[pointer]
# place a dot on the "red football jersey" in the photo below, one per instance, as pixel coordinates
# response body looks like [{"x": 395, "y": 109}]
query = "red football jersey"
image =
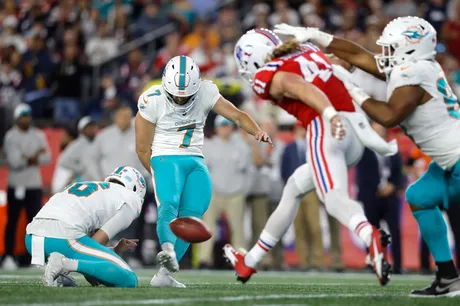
[{"x": 310, "y": 63}]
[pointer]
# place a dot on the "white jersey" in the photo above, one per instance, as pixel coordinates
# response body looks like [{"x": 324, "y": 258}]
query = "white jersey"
[
  {"x": 434, "y": 126},
  {"x": 82, "y": 208},
  {"x": 178, "y": 128}
]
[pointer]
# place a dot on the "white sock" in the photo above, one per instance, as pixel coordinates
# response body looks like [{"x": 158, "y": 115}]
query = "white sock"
[
  {"x": 362, "y": 228},
  {"x": 265, "y": 243},
  {"x": 167, "y": 246},
  {"x": 70, "y": 264}
]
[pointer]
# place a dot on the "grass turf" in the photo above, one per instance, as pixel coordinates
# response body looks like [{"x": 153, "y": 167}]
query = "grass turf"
[{"x": 23, "y": 287}]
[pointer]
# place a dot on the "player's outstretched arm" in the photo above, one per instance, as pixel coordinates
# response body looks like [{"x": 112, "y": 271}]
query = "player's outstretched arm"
[
  {"x": 342, "y": 48},
  {"x": 402, "y": 102},
  {"x": 226, "y": 109},
  {"x": 293, "y": 86},
  {"x": 145, "y": 131}
]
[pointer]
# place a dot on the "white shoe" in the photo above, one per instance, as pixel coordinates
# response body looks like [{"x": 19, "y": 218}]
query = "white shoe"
[
  {"x": 164, "y": 279},
  {"x": 53, "y": 269},
  {"x": 168, "y": 260},
  {"x": 9, "y": 263}
]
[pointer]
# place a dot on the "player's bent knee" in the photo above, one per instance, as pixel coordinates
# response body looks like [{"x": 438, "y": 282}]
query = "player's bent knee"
[{"x": 129, "y": 281}]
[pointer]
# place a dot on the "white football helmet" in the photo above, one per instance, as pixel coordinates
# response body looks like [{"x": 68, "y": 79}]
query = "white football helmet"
[
  {"x": 405, "y": 39},
  {"x": 181, "y": 79},
  {"x": 252, "y": 49},
  {"x": 130, "y": 178}
]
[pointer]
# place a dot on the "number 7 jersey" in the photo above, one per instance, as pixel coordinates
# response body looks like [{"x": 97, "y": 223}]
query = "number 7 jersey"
[
  {"x": 315, "y": 68},
  {"x": 178, "y": 128}
]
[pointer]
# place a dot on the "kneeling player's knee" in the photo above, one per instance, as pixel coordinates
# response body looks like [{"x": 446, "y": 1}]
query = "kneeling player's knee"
[{"x": 130, "y": 280}]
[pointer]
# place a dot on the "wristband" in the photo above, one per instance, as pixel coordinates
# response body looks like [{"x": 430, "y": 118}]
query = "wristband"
[
  {"x": 323, "y": 39},
  {"x": 329, "y": 112}
]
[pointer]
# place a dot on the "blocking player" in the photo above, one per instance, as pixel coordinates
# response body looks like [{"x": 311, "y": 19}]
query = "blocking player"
[
  {"x": 299, "y": 79},
  {"x": 60, "y": 231},
  {"x": 169, "y": 139},
  {"x": 421, "y": 101}
]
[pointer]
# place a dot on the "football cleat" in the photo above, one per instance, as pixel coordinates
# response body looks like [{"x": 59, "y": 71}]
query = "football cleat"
[
  {"x": 53, "y": 269},
  {"x": 168, "y": 260},
  {"x": 236, "y": 258},
  {"x": 65, "y": 280},
  {"x": 378, "y": 254},
  {"x": 164, "y": 279},
  {"x": 441, "y": 287}
]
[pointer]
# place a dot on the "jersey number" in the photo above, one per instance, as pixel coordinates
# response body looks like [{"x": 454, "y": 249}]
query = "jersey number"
[
  {"x": 85, "y": 189},
  {"x": 188, "y": 135},
  {"x": 449, "y": 98},
  {"x": 310, "y": 68},
  {"x": 156, "y": 93}
]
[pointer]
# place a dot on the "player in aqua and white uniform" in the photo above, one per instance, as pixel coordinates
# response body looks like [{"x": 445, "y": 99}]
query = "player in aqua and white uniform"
[
  {"x": 169, "y": 139},
  {"x": 422, "y": 103},
  {"x": 60, "y": 232}
]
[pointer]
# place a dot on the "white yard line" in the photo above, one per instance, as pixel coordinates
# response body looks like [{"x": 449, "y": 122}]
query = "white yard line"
[{"x": 216, "y": 299}]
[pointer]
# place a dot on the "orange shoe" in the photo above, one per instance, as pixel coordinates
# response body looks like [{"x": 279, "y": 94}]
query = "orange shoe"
[
  {"x": 236, "y": 258},
  {"x": 378, "y": 254}
]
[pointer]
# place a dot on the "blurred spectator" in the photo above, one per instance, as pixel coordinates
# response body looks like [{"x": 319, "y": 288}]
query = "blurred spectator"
[
  {"x": 435, "y": 12},
  {"x": 66, "y": 81},
  {"x": 170, "y": 50},
  {"x": 37, "y": 67},
  {"x": 70, "y": 166},
  {"x": 203, "y": 34},
  {"x": 101, "y": 47},
  {"x": 69, "y": 135},
  {"x": 32, "y": 11},
  {"x": 380, "y": 194},
  {"x": 9, "y": 35},
  {"x": 258, "y": 17},
  {"x": 307, "y": 227},
  {"x": 150, "y": 20},
  {"x": 229, "y": 162},
  {"x": 284, "y": 14},
  {"x": 10, "y": 97},
  {"x": 119, "y": 25},
  {"x": 400, "y": 8},
  {"x": 451, "y": 31},
  {"x": 26, "y": 148},
  {"x": 113, "y": 146},
  {"x": 61, "y": 18},
  {"x": 89, "y": 23},
  {"x": 131, "y": 74}
]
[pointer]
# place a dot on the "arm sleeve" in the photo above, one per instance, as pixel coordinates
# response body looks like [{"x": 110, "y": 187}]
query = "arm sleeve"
[
  {"x": 120, "y": 221},
  {"x": 13, "y": 154},
  {"x": 147, "y": 108},
  {"x": 211, "y": 91},
  {"x": 45, "y": 158},
  {"x": 61, "y": 178}
]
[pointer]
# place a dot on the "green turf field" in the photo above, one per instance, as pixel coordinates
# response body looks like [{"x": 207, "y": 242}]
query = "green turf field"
[{"x": 23, "y": 287}]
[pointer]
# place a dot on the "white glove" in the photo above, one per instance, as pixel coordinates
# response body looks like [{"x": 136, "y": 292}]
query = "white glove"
[
  {"x": 357, "y": 93},
  {"x": 341, "y": 73},
  {"x": 305, "y": 34}
]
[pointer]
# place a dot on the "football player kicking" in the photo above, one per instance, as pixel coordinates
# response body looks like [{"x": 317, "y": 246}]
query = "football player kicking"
[
  {"x": 169, "y": 139},
  {"x": 299, "y": 79},
  {"x": 59, "y": 232},
  {"x": 421, "y": 101}
]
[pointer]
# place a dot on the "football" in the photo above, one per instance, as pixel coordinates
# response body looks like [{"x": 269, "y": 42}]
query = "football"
[{"x": 190, "y": 229}]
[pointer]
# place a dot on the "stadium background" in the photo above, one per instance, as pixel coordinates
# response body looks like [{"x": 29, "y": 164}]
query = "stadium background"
[{"x": 138, "y": 37}]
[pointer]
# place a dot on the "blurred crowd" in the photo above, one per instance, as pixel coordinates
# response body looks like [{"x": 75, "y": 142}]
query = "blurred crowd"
[{"x": 63, "y": 59}]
